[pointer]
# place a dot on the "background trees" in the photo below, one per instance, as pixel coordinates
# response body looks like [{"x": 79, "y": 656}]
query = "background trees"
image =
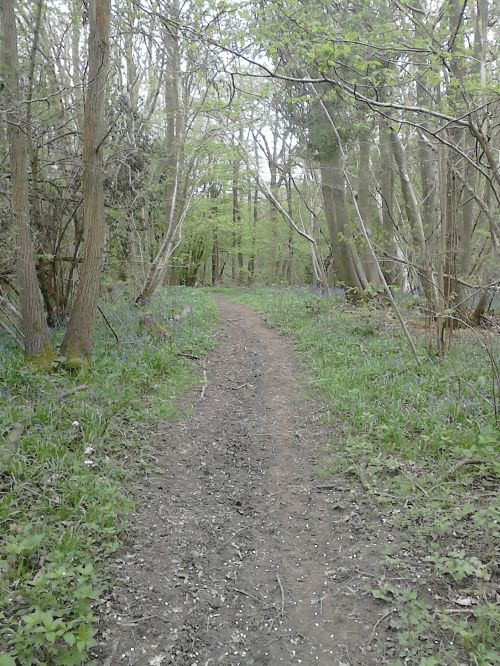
[{"x": 275, "y": 159}]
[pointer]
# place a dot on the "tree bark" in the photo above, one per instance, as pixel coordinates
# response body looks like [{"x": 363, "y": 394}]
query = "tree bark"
[
  {"x": 237, "y": 259},
  {"x": 428, "y": 279},
  {"x": 391, "y": 271},
  {"x": 364, "y": 206},
  {"x": 347, "y": 264},
  {"x": 174, "y": 161},
  {"x": 37, "y": 346},
  {"x": 77, "y": 343}
]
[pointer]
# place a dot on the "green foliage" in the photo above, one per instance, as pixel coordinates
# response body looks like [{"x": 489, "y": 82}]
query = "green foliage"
[
  {"x": 63, "y": 503},
  {"x": 458, "y": 566},
  {"x": 410, "y": 427}
]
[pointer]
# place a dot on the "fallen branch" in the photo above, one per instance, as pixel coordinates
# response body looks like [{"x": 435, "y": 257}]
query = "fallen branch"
[
  {"x": 247, "y": 594},
  {"x": 461, "y": 463},
  {"x": 238, "y": 531},
  {"x": 192, "y": 357},
  {"x": 381, "y": 619},
  {"x": 282, "y": 595},
  {"x": 281, "y": 612},
  {"x": 108, "y": 324},
  {"x": 76, "y": 389}
]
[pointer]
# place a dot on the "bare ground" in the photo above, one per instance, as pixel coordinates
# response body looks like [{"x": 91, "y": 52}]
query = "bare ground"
[{"x": 237, "y": 553}]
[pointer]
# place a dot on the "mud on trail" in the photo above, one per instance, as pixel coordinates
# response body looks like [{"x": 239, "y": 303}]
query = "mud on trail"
[{"x": 236, "y": 553}]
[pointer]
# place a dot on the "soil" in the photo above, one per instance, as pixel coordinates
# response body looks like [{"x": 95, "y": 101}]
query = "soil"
[{"x": 237, "y": 552}]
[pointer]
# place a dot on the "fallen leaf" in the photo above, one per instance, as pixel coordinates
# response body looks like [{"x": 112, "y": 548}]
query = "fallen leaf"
[
  {"x": 158, "y": 660},
  {"x": 465, "y": 601}
]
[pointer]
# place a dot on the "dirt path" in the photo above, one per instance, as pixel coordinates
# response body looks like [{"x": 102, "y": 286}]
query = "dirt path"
[{"x": 237, "y": 554}]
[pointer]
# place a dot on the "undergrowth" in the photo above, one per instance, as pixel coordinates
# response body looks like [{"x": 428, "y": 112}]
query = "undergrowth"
[
  {"x": 68, "y": 443},
  {"x": 422, "y": 443}
]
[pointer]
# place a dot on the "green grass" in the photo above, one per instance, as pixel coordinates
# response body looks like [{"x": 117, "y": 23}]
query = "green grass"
[
  {"x": 407, "y": 427},
  {"x": 62, "y": 469}
]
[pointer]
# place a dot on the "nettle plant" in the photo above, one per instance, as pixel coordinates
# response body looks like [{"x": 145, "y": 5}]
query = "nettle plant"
[{"x": 459, "y": 567}]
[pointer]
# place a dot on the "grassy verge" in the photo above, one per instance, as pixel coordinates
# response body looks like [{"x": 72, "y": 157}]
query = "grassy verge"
[
  {"x": 422, "y": 444},
  {"x": 67, "y": 444}
]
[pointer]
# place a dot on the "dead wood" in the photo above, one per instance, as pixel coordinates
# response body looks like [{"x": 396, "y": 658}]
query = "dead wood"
[
  {"x": 72, "y": 391},
  {"x": 461, "y": 463}
]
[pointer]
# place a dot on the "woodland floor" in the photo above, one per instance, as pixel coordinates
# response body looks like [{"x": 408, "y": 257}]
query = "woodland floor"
[{"x": 237, "y": 553}]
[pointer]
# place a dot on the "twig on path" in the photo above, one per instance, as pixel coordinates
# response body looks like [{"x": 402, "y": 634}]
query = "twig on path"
[
  {"x": 232, "y": 537},
  {"x": 320, "y": 602},
  {"x": 247, "y": 594},
  {"x": 281, "y": 612},
  {"x": 381, "y": 619},
  {"x": 145, "y": 618},
  {"x": 209, "y": 617},
  {"x": 347, "y": 653},
  {"x": 276, "y": 638},
  {"x": 282, "y": 595}
]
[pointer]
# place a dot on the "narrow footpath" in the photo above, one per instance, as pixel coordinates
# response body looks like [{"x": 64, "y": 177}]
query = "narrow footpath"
[{"x": 237, "y": 553}]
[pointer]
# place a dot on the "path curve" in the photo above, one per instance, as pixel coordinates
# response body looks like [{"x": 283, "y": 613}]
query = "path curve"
[{"x": 237, "y": 554}]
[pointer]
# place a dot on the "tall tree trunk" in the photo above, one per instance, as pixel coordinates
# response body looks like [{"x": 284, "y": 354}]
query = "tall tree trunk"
[
  {"x": 428, "y": 278},
  {"x": 174, "y": 162},
  {"x": 213, "y": 193},
  {"x": 273, "y": 225},
  {"x": 253, "y": 201},
  {"x": 77, "y": 343},
  {"x": 288, "y": 264},
  {"x": 364, "y": 206},
  {"x": 391, "y": 271},
  {"x": 237, "y": 259},
  {"x": 253, "y": 205},
  {"x": 37, "y": 346},
  {"x": 347, "y": 264}
]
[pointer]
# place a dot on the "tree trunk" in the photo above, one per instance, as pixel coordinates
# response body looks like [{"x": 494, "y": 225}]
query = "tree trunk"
[
  {"x": 364, "y": 206},
  {"x": 392, "y": 273},
  {"x": 237, "y": 259},
  {"x": 37, "y": 346},
  {"x": 174, "y": 162},
  {"x": 77, "y": 343},
  {"x": 428, "y": 277},
  {"x": 273, "y": 226},
  {"x": 288, "y": 264},
  {"x": 253, "y": 206},
  {"x": 347, "y": 265}
]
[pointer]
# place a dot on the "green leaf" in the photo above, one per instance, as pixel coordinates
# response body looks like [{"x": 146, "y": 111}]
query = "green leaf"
[
  {"x": 70, "y": 638},
  {"x": 5, "y": 660}
]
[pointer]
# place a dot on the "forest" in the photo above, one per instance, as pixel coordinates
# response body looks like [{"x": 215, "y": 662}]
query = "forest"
[{"x": 256, "y": 242}]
